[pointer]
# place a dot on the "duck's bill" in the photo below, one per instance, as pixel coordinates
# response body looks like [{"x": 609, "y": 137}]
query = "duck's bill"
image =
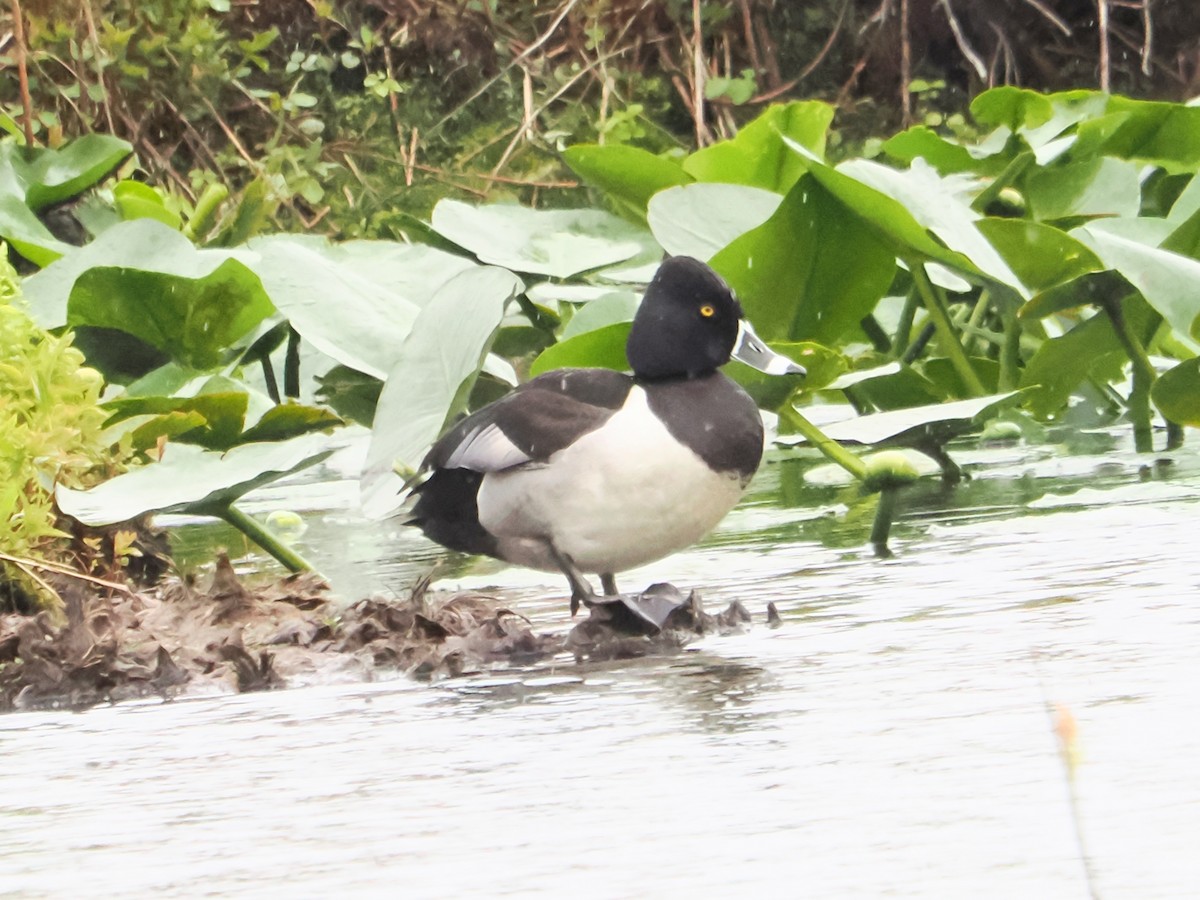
[{"x": 753, "y": 351}]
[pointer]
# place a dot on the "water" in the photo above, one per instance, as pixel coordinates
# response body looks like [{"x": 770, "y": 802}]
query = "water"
[{"x": 893, "y": 739}]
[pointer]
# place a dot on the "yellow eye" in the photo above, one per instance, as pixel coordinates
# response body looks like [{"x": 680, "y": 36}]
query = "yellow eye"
[{"x": 707, "y": 311}]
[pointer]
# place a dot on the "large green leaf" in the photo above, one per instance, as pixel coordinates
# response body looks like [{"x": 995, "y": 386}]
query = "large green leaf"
[
  {"x": 355, "y": 302},
  {"x": 1040, "y": 255},
  {"x": 940, "y": 205},
  {"x": 612, "y": 307},
  {"x": 812, "y": 271},
  {"x": 1089, "y": 187},
  {"x": 892, "y": 223},
  {"x": 431, "y": 379},
  {"x": 1089, "y": 350},
  {"x": 700, "y": 219},
  {"x": 943, "y": 154},
  {"x": 915, "y": 426},
  {"x": 193, "y": 319},
  {"x": 758, "y": 155},
  {"x": 52, "y": 176},
  {"x": 628, "y": 174},
  {"x": 603, "y": 347},
  {"x": 31, "y": 180},
  {"x": 191, "y": 479},
  {"x": 1159, "y": 133},
  {"x": 557, "y": 243},
  {"x": 1167, "y": 280},
  {"x": 143, "y": 244}
]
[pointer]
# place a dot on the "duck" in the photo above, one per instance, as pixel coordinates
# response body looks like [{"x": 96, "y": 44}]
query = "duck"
[{"x": 593, "y": 471}]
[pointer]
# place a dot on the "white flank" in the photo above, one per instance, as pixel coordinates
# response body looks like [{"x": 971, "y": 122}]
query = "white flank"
[{"x": 624, "y": 495}]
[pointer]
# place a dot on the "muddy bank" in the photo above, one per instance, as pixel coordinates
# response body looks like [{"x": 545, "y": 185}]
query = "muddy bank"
[{"x": 225, "y": 635}]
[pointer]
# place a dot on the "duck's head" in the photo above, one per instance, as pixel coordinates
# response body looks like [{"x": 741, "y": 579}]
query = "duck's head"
[{"x": 690, "y": 323}]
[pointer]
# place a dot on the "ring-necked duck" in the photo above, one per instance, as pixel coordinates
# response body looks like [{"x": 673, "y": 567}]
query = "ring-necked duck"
[{"x": 591, "y": 470}]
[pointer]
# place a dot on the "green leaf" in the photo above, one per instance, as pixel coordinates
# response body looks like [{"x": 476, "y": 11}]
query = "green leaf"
[
  {"x": 1176, "y": 393},
  {"x": 944, "y": 155},
  {"x": 193, "y": 319},
  {"x": 811, "y": 272},
  {"x": 1162, "y": 134},
  {"x": 557, "y": 243},
  {"x": 628, "y": 174},
  {"x": 191, "y": 479},
  {"x": 1012, "y": 107},
  {"x": 940, "y": 205},
  {"x": 1096, "y": 288},
  {"x": 289, "y": 420},
  {"x": 918, "y": 425},
  {"x": 1041, "y": 256},
  {"x": 1167, "y": 280},
  {"x": 377, "y": 289},
  {"x": 889, "y": 219},
  {"x": 222, "y": 415},
  {"x": 143, "y": 244},
  {"x": 758, "y": 155},
  {"x": 52, "y": 176},
  {"x": 603, "y": 348},
  {"x": 1090, "y": 187},
  {"x": 135, "y": 200},
  {"x": 609, "y": 309},
  {"x": 1090, "y": 349},
  {"x": 700, "y": 219},
  {"x": 436, "y": 368}
]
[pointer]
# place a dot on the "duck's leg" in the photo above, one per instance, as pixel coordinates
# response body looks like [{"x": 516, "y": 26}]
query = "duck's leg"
[
  {"x": 581, "y": 589},
  {"x": 609, "y": 583}
]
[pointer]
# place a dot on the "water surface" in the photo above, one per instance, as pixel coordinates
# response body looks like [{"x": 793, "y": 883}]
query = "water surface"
[{"x": 892, "y": 739}]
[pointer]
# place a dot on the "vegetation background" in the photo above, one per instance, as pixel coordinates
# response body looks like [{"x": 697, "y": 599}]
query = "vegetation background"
[{"x": 362, "y": 113}]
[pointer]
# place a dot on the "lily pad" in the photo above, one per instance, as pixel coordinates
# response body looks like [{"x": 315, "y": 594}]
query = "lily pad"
[
  {"x": 811, "y": 272},
  {"x": 191, "y": 479},
  {"x": 913, "y": 427},
  {"x": 430, "y": 382},
  {"x": 700, "y": 219},
  {"x": 376, "y": 288},
  {"x": 557, "y": 243}
]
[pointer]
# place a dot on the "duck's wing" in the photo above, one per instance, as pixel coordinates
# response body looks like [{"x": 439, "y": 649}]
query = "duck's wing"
[{"x": 533, "y": 422}]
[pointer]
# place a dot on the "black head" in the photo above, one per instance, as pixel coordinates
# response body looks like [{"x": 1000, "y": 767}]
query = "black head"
[{"x": 687, "y": 324}]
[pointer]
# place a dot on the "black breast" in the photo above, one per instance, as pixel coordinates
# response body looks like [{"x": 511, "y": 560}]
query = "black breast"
[{"x": 712, "y": 416}]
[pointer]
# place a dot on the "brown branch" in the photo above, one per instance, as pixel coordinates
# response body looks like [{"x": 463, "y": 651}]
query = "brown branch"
[
  {"x": 698, "y": 75},
  {"x": 1148, "y": 32},
  {"x": 22, "y": 70},
  {"x": 748, "y": 31},
  {"x": 1102, "y": 28}
]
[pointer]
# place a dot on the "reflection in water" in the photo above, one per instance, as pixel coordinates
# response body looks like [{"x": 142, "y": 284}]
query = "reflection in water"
[{"x": 890, "y": 739}]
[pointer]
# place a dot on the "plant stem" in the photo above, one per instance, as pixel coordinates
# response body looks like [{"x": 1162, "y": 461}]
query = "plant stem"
[
  {"x": 291, "y": 365},
  {"x": 261, "y": 535},
  {"x": 832, "y": 450},
  {"x": 1143, "y": 376},
  {"x": 875, "y": 334},
  {"x": 904, "y": 326},
  {"x": 1010, "y": 352},
  {"x": 935, "y": 303},
  {"x": 885, "y": 514}
]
